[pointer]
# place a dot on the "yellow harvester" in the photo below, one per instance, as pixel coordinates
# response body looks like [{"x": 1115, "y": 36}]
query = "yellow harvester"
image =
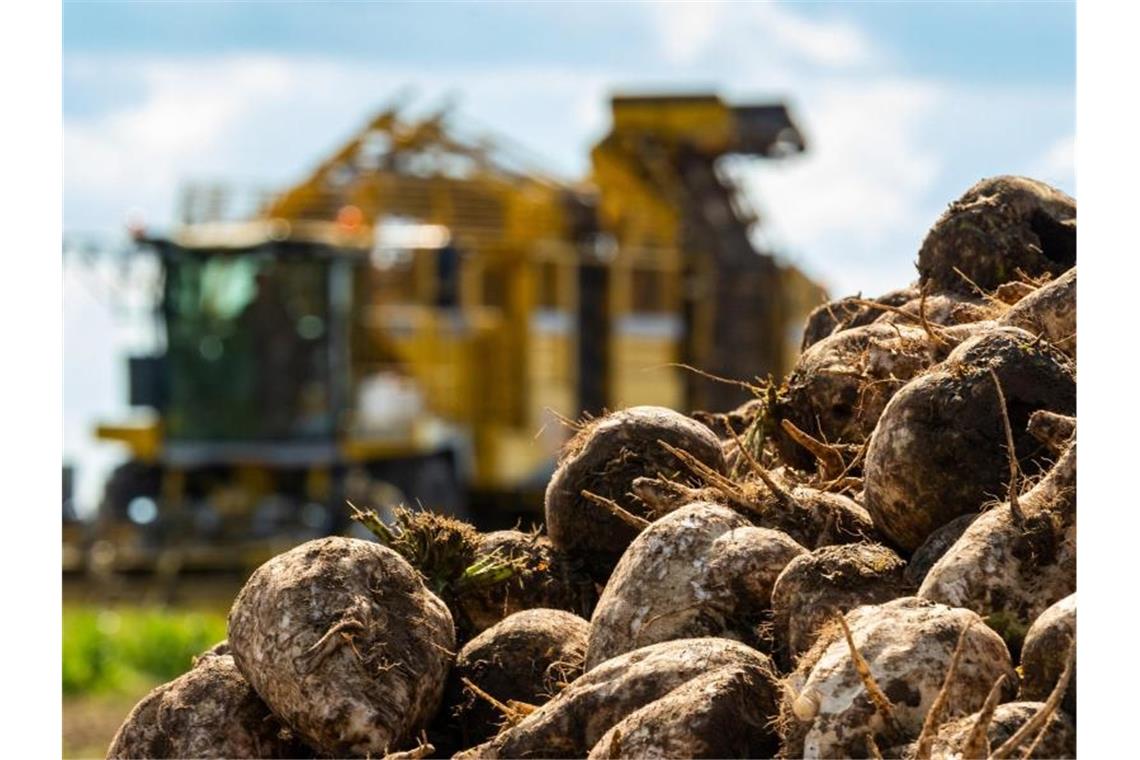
[{"x": 410, "y": 321}]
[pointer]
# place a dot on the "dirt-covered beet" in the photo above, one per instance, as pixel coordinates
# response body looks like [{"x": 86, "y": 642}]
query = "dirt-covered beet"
[
  {"x": 211, "y": 711},
  {"x": 840, "y": 385},
  {"x": 1049, "y": 311},
  {"x": 540, "y": 578},
  {"x": 954, "y": 737},
  {"x": 939, "y": 449},
  {"x": 575, "y": 720},
  {"x": 344, "y": 642},
  {"x": 603, "y": 458},
  {"x": 1010, "y": 567},
  {"x": 701, "y": 570},
  {"x": 1045, "y": 652},
  {"x": 1000, "y": 226},
  {"x": 907, "y": 645},
  {"x": 844, "y": 313},
  {"x": 525, "y": 658},
  {"x": 724, "y": 713},
  {"x": 935, "y": 545},
  {"x": 813, "y": 587}
]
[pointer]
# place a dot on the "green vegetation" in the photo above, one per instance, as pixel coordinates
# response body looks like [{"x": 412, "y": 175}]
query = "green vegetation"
[{"x": 123, "y": 648}]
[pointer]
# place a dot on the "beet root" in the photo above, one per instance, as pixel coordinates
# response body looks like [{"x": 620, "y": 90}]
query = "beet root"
[
  {"x": 724, "y": 713},
  {"x": 524, "y": 658},
  {"x": 702, "y": 570},
  {"x": 1050, "y": 311},
  {"x": 1044, "y": 654},
  {"x": 1054, "y": 431},
  {"x": 210, "y": 711},
  {"x": 575, "y": 720},
  {"x": 813, "y": 587},
  {"x": 1010, "y": 566},
  {"x": 218, "y": 650},
  {"x": 603, "y": 459},
  {"x": 999, "y": 226},
  {"x": 907, "y": 645},
  {"x": 939, "y": 449},
  {"x": 344, "y": 643}
]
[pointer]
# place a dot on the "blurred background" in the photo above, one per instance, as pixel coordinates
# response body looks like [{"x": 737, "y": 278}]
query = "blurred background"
[{"x": 382, "y": 252}]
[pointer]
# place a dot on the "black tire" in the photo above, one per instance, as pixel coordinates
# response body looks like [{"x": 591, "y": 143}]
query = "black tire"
[{"x": 127, "y": 482}]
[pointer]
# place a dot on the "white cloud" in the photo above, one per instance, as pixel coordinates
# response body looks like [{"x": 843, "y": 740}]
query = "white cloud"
[
  {"x": 687, "y": 31},
  {"x": 684, "y": 30},
  {"x": 1058, "y": 164},
  {"x": 830, "y": 43},
  {"x": 140, "y": 152},
  {"x": 863, "y": 174}
]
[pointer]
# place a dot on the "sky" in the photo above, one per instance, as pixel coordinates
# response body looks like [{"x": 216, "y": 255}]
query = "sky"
[{"x": 904, "y": 106}]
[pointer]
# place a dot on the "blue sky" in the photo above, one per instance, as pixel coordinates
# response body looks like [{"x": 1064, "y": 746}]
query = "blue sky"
[{"x": 904, "y": 105}]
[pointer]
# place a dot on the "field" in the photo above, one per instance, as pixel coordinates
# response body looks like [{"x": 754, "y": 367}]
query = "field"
[{"x": 115, "y": 651}]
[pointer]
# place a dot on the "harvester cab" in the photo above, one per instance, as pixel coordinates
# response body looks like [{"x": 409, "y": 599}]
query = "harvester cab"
[{"x": 261, "y": 424}]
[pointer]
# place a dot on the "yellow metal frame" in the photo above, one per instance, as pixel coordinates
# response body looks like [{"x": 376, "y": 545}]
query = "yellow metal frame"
[{"x": 143, "y": 439}]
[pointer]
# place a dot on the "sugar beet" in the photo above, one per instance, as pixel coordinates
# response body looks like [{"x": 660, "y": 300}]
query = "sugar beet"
[
  {"x": 604, "y": 458},
  {"x": 844, "y": 313},
  {"x": 526, "y": 658},
  {"x": 999, "y": 226},
  {"x": 840, "y": 385},
  {"x": 1059, "y": 738},
  {"x": 344, "y": 643},
  {"x": 1050, "y": 311},
  {"x": 724, "y": 713},
  {"x": 575, "y": 720},
  {"x": 908, "y": 645},
  {"x": 702, "y": 570},
  {"x": 939, "y": 449},
  {"x": 813, "y": 587},
  {"x": 1011, "y": 566},
  {"x": 211, "y": 711}
]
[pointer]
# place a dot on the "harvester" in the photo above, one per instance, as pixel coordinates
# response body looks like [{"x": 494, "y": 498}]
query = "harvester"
[{"x": 414, "y": 321}]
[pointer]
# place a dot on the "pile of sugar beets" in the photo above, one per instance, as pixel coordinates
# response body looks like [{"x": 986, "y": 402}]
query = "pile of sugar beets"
[{"x": 874, "y": 557}]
